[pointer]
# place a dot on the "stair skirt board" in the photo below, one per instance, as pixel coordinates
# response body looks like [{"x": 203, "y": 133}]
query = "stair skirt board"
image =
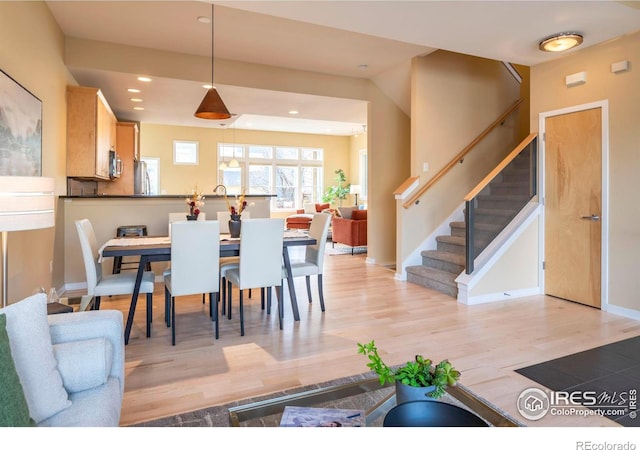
[{"x": 492, "y": 254}]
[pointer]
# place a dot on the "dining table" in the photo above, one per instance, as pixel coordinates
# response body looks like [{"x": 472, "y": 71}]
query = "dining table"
[{"x": 153, "y": 249}]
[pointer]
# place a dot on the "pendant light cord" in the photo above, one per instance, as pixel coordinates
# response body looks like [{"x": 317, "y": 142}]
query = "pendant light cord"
[{"x": 212, "y": 44}]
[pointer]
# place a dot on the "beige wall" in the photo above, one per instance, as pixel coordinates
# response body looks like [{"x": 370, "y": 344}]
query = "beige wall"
[
  {"x": 32, "y": 53},
  {"x": 454, "y": 98},
  {"x": 622, "y": 90},
  {"x": 157, "y": 141}
]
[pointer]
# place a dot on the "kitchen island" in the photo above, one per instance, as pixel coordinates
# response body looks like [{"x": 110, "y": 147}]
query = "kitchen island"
[{"x": 108, "y": 212}]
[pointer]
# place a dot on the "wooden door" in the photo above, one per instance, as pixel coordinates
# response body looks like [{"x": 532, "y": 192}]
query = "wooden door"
[{"x": 573, "y": 200}]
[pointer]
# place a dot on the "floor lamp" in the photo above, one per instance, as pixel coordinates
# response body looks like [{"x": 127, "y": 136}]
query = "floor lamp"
[
  {"x": 26, "y": 203},
  {"x": 355, "y": 189}
]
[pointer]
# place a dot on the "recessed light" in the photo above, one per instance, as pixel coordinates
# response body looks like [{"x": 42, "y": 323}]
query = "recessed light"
[
  {"x": 293, "y": 112},
  {"x": 137, "y": 100},
  {"x": 560, "y": 42},
  {"x": 145, "y": 79},
  {"x": 363, "y": 66},
  {"x": 204, "y": 19},
  {"x": 138, "y": 108},
  {"x": 134, "y": 91}
]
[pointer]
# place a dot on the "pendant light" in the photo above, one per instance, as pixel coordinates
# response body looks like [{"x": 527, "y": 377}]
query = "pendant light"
[
  {"x": 212, "y": 106},
  {"x": 223, "y": 165},
  {"x": 234, "y": 162}
]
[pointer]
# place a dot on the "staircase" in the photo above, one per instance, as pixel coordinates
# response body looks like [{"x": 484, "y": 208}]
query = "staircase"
[{"x": 440, "y": 267}]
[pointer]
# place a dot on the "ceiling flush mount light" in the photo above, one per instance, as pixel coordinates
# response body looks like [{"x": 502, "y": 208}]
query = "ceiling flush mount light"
[
  {"x": 560, "y": 42},
  {"x": 212, "y": 106}
]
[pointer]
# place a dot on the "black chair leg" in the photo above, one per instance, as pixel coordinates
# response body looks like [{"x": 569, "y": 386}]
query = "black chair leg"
[
  {"x": 308, "y": 279},
  {"x": 96, "y": 303},
  {"x": 269, "y": 301},
  {"x": 280, "y": 305},
  {"x": 223, "y": 293},
  {"x": 320, "y": 292},
  {"x": 213, "y": 305},
  {"x": 229, "y": 289},
  {"x": 241, "y": 315},
  {"x": 173, "y": 321},
  {"x": 167, "y": 307}
]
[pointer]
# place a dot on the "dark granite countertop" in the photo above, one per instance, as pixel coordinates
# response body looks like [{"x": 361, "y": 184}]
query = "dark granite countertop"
[{"x": 183, "y": 196}]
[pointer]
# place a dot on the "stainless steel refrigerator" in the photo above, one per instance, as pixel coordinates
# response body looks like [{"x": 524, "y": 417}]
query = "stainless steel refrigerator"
[{"x": 141, "y": 181}]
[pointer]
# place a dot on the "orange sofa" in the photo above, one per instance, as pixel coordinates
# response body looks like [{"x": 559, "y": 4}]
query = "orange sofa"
[
  {"x": 302, "y": 221},
  {"x": 351, "y": 232}
]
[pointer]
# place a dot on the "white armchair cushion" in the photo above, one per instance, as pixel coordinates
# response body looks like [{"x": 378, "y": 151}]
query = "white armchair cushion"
[
  {"x": 309, "y": 208},
  {"x": 33, "y": 356},
  {"x": 84, "y": 364}
]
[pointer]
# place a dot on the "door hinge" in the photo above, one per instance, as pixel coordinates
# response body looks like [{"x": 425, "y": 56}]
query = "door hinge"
[{"x": 544, "y": 265}]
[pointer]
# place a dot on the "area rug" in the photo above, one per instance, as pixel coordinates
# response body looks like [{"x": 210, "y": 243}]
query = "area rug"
[
  {"x": 341, "y": 249},
  {"x": 218, "y": 416},
  {"x": 609, "y": 373}
]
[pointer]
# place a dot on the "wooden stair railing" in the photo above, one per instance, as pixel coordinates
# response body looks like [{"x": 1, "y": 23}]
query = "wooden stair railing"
[
  {"x": 462, "y": 154},
  {"x": 504, "y": 163}
]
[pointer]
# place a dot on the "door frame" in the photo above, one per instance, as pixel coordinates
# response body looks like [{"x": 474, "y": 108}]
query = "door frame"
[{"x": 604, "y": 263}]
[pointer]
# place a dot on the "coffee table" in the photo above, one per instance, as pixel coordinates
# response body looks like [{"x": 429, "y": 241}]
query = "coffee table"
[{"x": 366, "y": 394}]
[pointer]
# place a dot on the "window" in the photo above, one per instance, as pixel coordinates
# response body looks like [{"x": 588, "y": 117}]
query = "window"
[
  {"x": 185, "y": 152},
  {"x": 294, "y": 174}
]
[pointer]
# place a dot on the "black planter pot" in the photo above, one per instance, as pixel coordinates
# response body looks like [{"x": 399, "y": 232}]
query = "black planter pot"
[
  {"x": 192, "y": 217},
  {"x": 431, "y": 414},
  {"x": 234, "y": 226}
]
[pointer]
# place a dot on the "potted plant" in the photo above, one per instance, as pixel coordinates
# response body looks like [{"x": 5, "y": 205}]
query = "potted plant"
[
  {"x": 415, "y": 380},
  {"x": 339, "y": 191}
]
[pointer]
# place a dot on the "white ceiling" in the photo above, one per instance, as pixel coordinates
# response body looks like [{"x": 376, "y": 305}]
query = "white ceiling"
[{"x": 334, "y": 37}]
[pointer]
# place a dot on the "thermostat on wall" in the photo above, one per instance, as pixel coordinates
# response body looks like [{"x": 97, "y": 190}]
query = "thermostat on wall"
[{"x": 576, "y": 79}]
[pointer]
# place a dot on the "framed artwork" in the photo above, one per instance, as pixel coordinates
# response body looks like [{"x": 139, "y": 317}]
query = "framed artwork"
[{"x": 20, "y": 130}]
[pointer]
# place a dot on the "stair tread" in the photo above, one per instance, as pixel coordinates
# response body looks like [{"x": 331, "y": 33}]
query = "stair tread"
[
  {"x": 440, "y": 276},
  {"x": 479, "y": 226},
  {"x": 451, "y": 239},
  {"x": 503, "y": 197},
  {"x": 445, "y": 256}
]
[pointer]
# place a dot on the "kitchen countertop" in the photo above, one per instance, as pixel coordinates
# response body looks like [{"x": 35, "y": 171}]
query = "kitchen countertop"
[{"x": 183, "y": 196}]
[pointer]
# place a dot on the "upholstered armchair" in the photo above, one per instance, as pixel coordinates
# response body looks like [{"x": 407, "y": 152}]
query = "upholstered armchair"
[{"x": 351, "y": 231}]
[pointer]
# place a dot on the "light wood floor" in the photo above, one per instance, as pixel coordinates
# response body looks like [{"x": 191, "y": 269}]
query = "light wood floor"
[{"x": 363, "y": 302}]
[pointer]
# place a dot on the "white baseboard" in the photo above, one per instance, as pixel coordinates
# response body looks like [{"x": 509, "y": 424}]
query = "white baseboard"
[
  {"x": 625, "y": 312},
  {"x": 498, "y": 296}
]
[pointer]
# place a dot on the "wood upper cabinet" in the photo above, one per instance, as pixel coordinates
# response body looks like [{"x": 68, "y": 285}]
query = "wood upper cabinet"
[
  {"x": 126, "y": 146},
  {"x": 91, "y": 133}
]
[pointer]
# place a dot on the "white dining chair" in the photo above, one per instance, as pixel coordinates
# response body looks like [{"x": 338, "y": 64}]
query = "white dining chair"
[
  {"x": 195, "y": 254},
  {"x": 313, "y": 261},
  {"x": 260, "y": 264},
  {"x": 99, "y": 285}
]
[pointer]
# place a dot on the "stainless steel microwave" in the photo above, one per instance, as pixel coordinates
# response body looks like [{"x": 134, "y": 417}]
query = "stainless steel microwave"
[{"x": 115, "y": 165}]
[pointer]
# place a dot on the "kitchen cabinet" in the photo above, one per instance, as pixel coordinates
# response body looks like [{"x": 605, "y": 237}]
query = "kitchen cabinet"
[
  {"x": 126, "y": 146},
  {"x": 91, "y": 133}
]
